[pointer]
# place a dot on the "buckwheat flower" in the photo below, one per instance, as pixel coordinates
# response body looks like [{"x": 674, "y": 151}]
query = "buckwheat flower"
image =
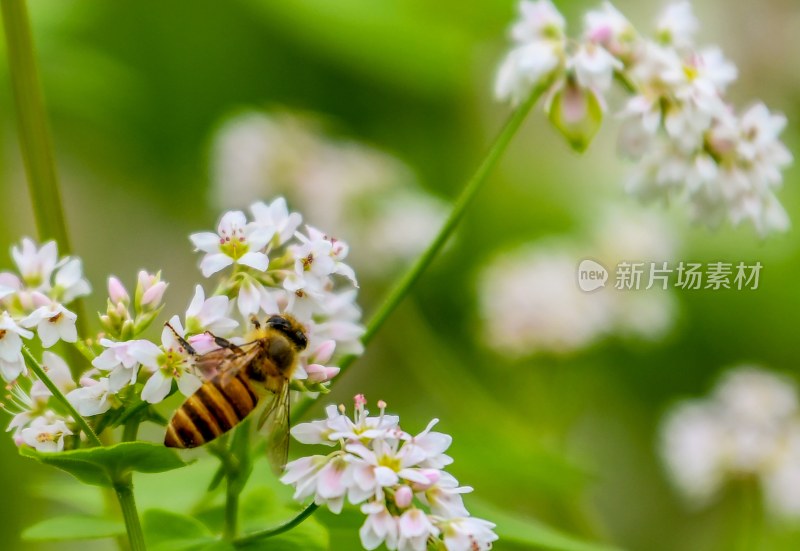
[
  {"x": 610, "y": 29},
  {"x": 59, "y": 373},
  {"x": 390, "y": 474},
  {"x": 236, "y": 242},
  {"x": 380, "y": 526},
  {"x": 341, "y": 323},
  {"x": 53, "y": 322},
  {"x": 444, "y": 496},
  {"x": 677, "y": 25},
  {"x": 253, "y": 297},
  {"x": 6, "y": 291},
  {"x": 746, "y": 427},
  {"x": 35, "y": 264},
  {"x": 46, "y": 433},
  {"x": 539, "y": 20},
  {"x": 209, "y": 314},
  {"x": 525, "y": 67},
  {"x": 93, "y": 397},
  {"x": 276, "y": 218},
  {"x": 171, "y": 363},
  {"x": 414, "y": 528},
  {"x": 12, "y": 364},
  {"x": 467, "y": 534},
  {"x": 69, "y": 281},
  {"x": 149, "y": 291},
  {"x": 530, "y": 303},
  {"x": 320, "y": 256},
  {"x": 594, "y": 66},
  {"x": 120, "y": 359}
]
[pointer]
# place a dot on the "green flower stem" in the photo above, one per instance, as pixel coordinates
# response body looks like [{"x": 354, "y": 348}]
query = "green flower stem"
[
  {"x": 34, "y": 135},
  {"x": 124, "y": 489},
  {"x": 40, "y": 372},
  {"x": 231, "y": 470},
  {"x": 269, "y": 532},
  {"x": 474, "y": 185}
]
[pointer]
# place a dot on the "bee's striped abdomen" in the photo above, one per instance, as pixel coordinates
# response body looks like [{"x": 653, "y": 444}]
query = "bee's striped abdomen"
[{"x": 210, "y": 412}]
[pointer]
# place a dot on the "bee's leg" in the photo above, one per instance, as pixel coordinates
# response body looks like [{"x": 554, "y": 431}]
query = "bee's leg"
[
  {"x": 255, "y": 322},
  {"x": 223, "y": 343},
  {"x": 184, "y": 343}
]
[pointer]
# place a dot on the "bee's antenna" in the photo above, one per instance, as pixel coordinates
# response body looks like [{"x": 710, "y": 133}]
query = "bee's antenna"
[{"x": 184, "y": 343}]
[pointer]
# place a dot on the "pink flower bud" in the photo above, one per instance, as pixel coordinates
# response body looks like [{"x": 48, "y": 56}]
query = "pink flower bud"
[
  {"x": 152, "y": 296},
  {"x": 117, "y": 292},
  {"x": 433, "y": 476},
  {"x": 324, "y": 351},
  {"x": 403, "y": 497},
  {"x": 320, "y": 374},
  {"x": 87, "y": 381}
]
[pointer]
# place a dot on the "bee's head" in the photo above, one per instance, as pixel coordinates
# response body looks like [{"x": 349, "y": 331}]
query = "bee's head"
[{"x": 291, "y": 328}]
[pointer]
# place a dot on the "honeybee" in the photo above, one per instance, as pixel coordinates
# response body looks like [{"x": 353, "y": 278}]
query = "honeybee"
[{"x": 244, "y": 376}]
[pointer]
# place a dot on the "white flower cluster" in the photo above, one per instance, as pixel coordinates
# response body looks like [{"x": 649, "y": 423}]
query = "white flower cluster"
[
  {"x": 362, "y": 194},
  {"x": 530, "y": 302},
  {"x": 397, "y": 478},
  {"x": 34, "y": 299},
  {"x": 689, "y": 142},
  {"x": 275, "y": 269},
  {"x": 748, "y": 427}
]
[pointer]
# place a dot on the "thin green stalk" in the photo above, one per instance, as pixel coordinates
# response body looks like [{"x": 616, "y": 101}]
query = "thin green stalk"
[
  {"x": 124, "y": 489},
  {"x": 130, "y": 430},
  {"x": 34, "y": 135},
  {"x": 470, "y": 191},
  {"x": 231, "y": 511},
  {"x": 269, "y": 532},
  {"x": 40, "y": 372}
]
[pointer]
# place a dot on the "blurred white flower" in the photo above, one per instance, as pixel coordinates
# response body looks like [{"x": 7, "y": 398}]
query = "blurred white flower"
[
  {"x": 69, "y": 281},
  {"x": 677, "y": 25},
  {"x": 525, "y": 67},
  {"x": 539, "y": 20},
  {"x": 530, "y": 301},
  {"x": 35, "y": 264},
  {"x": 748, "y": 426},
  {"x": 12, "y": 364},
  {"x": 607, "y": 27}
]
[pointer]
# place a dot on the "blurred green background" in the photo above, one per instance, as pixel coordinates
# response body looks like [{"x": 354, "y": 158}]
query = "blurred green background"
[{"x": 135, "y": 91}]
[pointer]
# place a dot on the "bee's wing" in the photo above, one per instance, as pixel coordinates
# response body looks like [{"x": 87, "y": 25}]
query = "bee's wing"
[
  {"x": 225, "y": 363},
  {"x": 274, "y": 423}
]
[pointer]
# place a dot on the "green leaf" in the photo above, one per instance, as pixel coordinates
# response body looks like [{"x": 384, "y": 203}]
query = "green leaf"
[
  {"x": 101, "y": 466},
  {"x": 74, "y": 528},
  {"x": 577, "y": 113},
  {"x": 526, "y": 531},
  {"x": 168, "y": 531}
]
